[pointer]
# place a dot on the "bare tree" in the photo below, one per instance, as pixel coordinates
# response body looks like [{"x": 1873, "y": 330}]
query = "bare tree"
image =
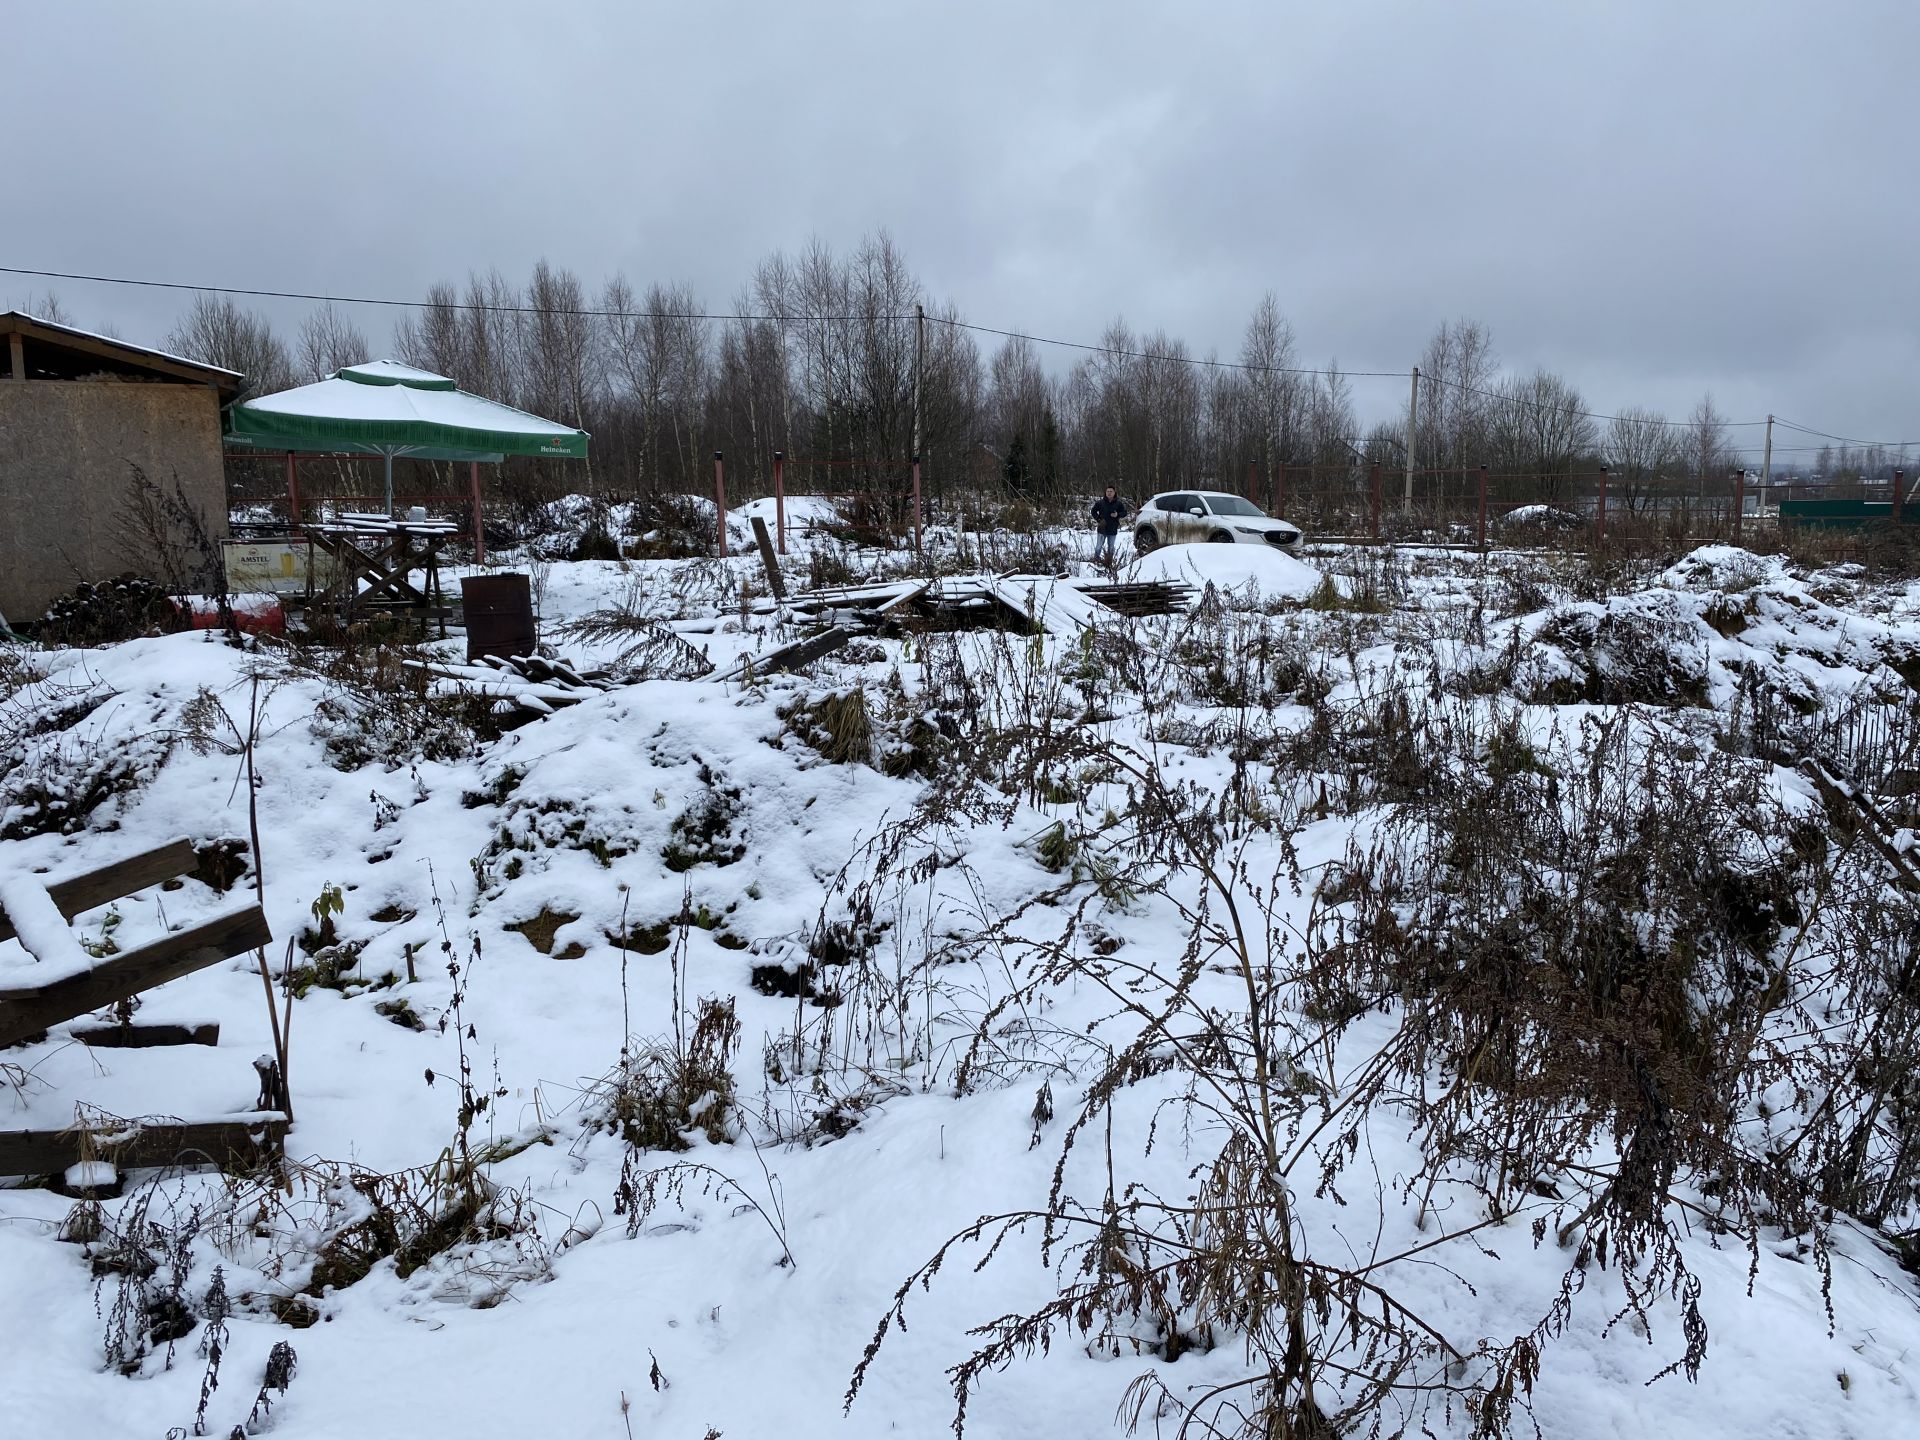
[
  {"x": 45, "y": 307},
  {"x": 659, "y": 354},
  {"x": 1539, "y": 427},
  {"x": 1273, "y": 394},
  {"x": 1707, "y": 453},
  {"x": 1458, "y": 372},
  {"x": 1330, "y": 418},
  {"x": 431, "y": 339},
  {"x": 328, "y": 340},
  {"x": 218, "y": 332},
  {"x": 1642, "y": 449}
]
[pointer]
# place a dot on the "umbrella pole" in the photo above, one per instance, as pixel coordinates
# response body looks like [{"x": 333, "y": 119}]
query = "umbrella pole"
[{"x": 389, "y": 484}]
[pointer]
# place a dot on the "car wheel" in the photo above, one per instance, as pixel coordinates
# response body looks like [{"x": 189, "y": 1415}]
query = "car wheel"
[
  {"x": 1146, "y": 538},
  {"x": 1221, "y": 537}
]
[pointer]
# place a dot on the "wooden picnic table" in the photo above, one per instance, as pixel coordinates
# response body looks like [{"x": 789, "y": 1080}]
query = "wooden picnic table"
[{"x": 374, "y": 558}]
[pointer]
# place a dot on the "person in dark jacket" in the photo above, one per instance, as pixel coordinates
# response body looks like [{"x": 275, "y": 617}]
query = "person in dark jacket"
[{"x": 1108, "y": 511}]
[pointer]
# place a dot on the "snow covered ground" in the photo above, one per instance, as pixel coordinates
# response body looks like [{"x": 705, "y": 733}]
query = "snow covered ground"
[{"x": 579, "y": 896}]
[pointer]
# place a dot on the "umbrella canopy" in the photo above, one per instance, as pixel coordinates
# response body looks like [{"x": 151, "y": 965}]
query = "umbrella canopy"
[{"x": 386, "y": 408}]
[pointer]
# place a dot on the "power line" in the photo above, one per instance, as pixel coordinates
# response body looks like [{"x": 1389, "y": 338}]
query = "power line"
[
  {"x": 1207, "y": 361},
  {"x": 489, "y": 308},
  {"x": 1844, "y": 439},
  {"x": 1119, "y": 353},
  {"x": 420, "y": 304},
  {"x": 1507, "y": 398}
]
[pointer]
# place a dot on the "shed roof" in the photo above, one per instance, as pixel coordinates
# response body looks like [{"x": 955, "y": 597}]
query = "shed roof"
[{"x": 62, "y": 352}]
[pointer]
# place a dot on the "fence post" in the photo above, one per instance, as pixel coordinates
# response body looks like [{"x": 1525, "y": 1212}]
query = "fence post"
[
  {"x": 1899, "y": 484},
  {"x": 293, "y": 486},
  {"x": 1481, "y": 526},
  {"x": 1600, "y": 510},
  {"x": 1739, "y": 500},
  {"x": 479, "y": 523},
  {"x": 1373, "y": 521},
  {"x": 780, "y": 498},
  {"x": 916, "y": 504},
  {"x": 720, "y": 501},
  {"x": 1280, "y": 490}
]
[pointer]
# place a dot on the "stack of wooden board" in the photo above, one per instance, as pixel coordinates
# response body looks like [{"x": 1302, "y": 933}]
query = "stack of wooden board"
[
  {"x": 1060, "y": 605},
  {"x": 528, "y": 682}
]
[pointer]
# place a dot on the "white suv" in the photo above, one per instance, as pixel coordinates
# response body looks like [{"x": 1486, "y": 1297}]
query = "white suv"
[{"x": 1182, "y": 516}]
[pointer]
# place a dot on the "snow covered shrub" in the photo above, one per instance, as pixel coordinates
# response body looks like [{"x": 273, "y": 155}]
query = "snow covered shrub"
[
  {"x": 379, "y": 709},
  {"x": 1645, "y": 649},
  {"x": 671, "y": 527},
  {"x": 1613, "y": 986},
  {"x": 594, "y": 543},
  {"x": 57, "y": 782},
  {"x": 1206, "y": 1041},
  {"x": 837, "y": 725},
  {"x": 533, "y": 826},
  {"x": 665, "y": 1090},
  {"x": 704, "y": 833}
]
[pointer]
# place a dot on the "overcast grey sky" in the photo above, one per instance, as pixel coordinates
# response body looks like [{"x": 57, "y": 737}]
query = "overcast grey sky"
[{"x": 1655, "y": 198}]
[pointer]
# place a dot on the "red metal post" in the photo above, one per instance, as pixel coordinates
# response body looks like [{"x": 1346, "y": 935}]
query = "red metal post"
[
  {"x": 293, "y": 486},
  {"x": 1739, "y": 499},
  {"x": 1482, "y": 523},
  {"x": 780, "y": 498},
  {"x": 1600, "y": 510},
  {"x": 720, "y": 501},
  {"x": 916, "y": 505},
  {"x": 1374, "y": 513},
  {"x": 1280, "y": 490},
  {"x": 479, "y": 522},
  {"x": 1899, "y": 484}
]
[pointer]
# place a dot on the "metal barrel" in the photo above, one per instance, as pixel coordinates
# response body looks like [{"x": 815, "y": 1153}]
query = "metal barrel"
[{"x": 499, "y": 611}]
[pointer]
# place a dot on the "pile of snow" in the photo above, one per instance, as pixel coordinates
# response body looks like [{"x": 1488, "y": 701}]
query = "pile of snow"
[
  {"x": 1251, "y": 570},
  {"x": 1551, "y": 516},
  {"x": 1725, "y": 567},
  {"x": 804, "y": 512}
]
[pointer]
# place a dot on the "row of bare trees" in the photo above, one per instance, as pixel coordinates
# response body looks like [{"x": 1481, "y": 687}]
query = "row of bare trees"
[{"x": 818, "y": 354}]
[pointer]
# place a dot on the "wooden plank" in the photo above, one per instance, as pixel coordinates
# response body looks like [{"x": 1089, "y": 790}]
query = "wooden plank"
[
  {"x": 28, "y": 1010},
  {"x": 238, "y": 1142},
  {"x": 1055, "y": 606},
  {"x": 791, "y": 657},
  {"x": 772, "y": 566},
  {"x": 142, "y": 1036},
  {"x": 116, "y": 881},
  {"x": 906, "y": 598}
]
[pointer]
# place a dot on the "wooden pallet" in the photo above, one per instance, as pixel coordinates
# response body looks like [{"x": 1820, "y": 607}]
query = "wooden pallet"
[{"x": 63, "y": 982}]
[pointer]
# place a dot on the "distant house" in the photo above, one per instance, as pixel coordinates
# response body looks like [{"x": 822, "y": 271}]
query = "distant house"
[{"x": 77, "y": 410}]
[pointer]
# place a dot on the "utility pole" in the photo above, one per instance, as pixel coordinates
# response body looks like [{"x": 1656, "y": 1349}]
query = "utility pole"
[
  {"x": 919, "y": 363},
  {"x": 1413, "y": 429},
  {"x": 1766, "y": 464}
]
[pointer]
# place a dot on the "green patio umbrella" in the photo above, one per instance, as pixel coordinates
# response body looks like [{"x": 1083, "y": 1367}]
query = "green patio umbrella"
[{"x": 386, "y": 408}]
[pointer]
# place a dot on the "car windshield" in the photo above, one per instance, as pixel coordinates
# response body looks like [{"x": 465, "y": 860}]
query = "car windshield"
[{"x": 1233, "y": 505}]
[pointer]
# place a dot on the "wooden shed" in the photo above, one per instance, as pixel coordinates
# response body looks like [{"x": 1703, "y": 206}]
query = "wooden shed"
[{"x": 77, "y": 411}]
